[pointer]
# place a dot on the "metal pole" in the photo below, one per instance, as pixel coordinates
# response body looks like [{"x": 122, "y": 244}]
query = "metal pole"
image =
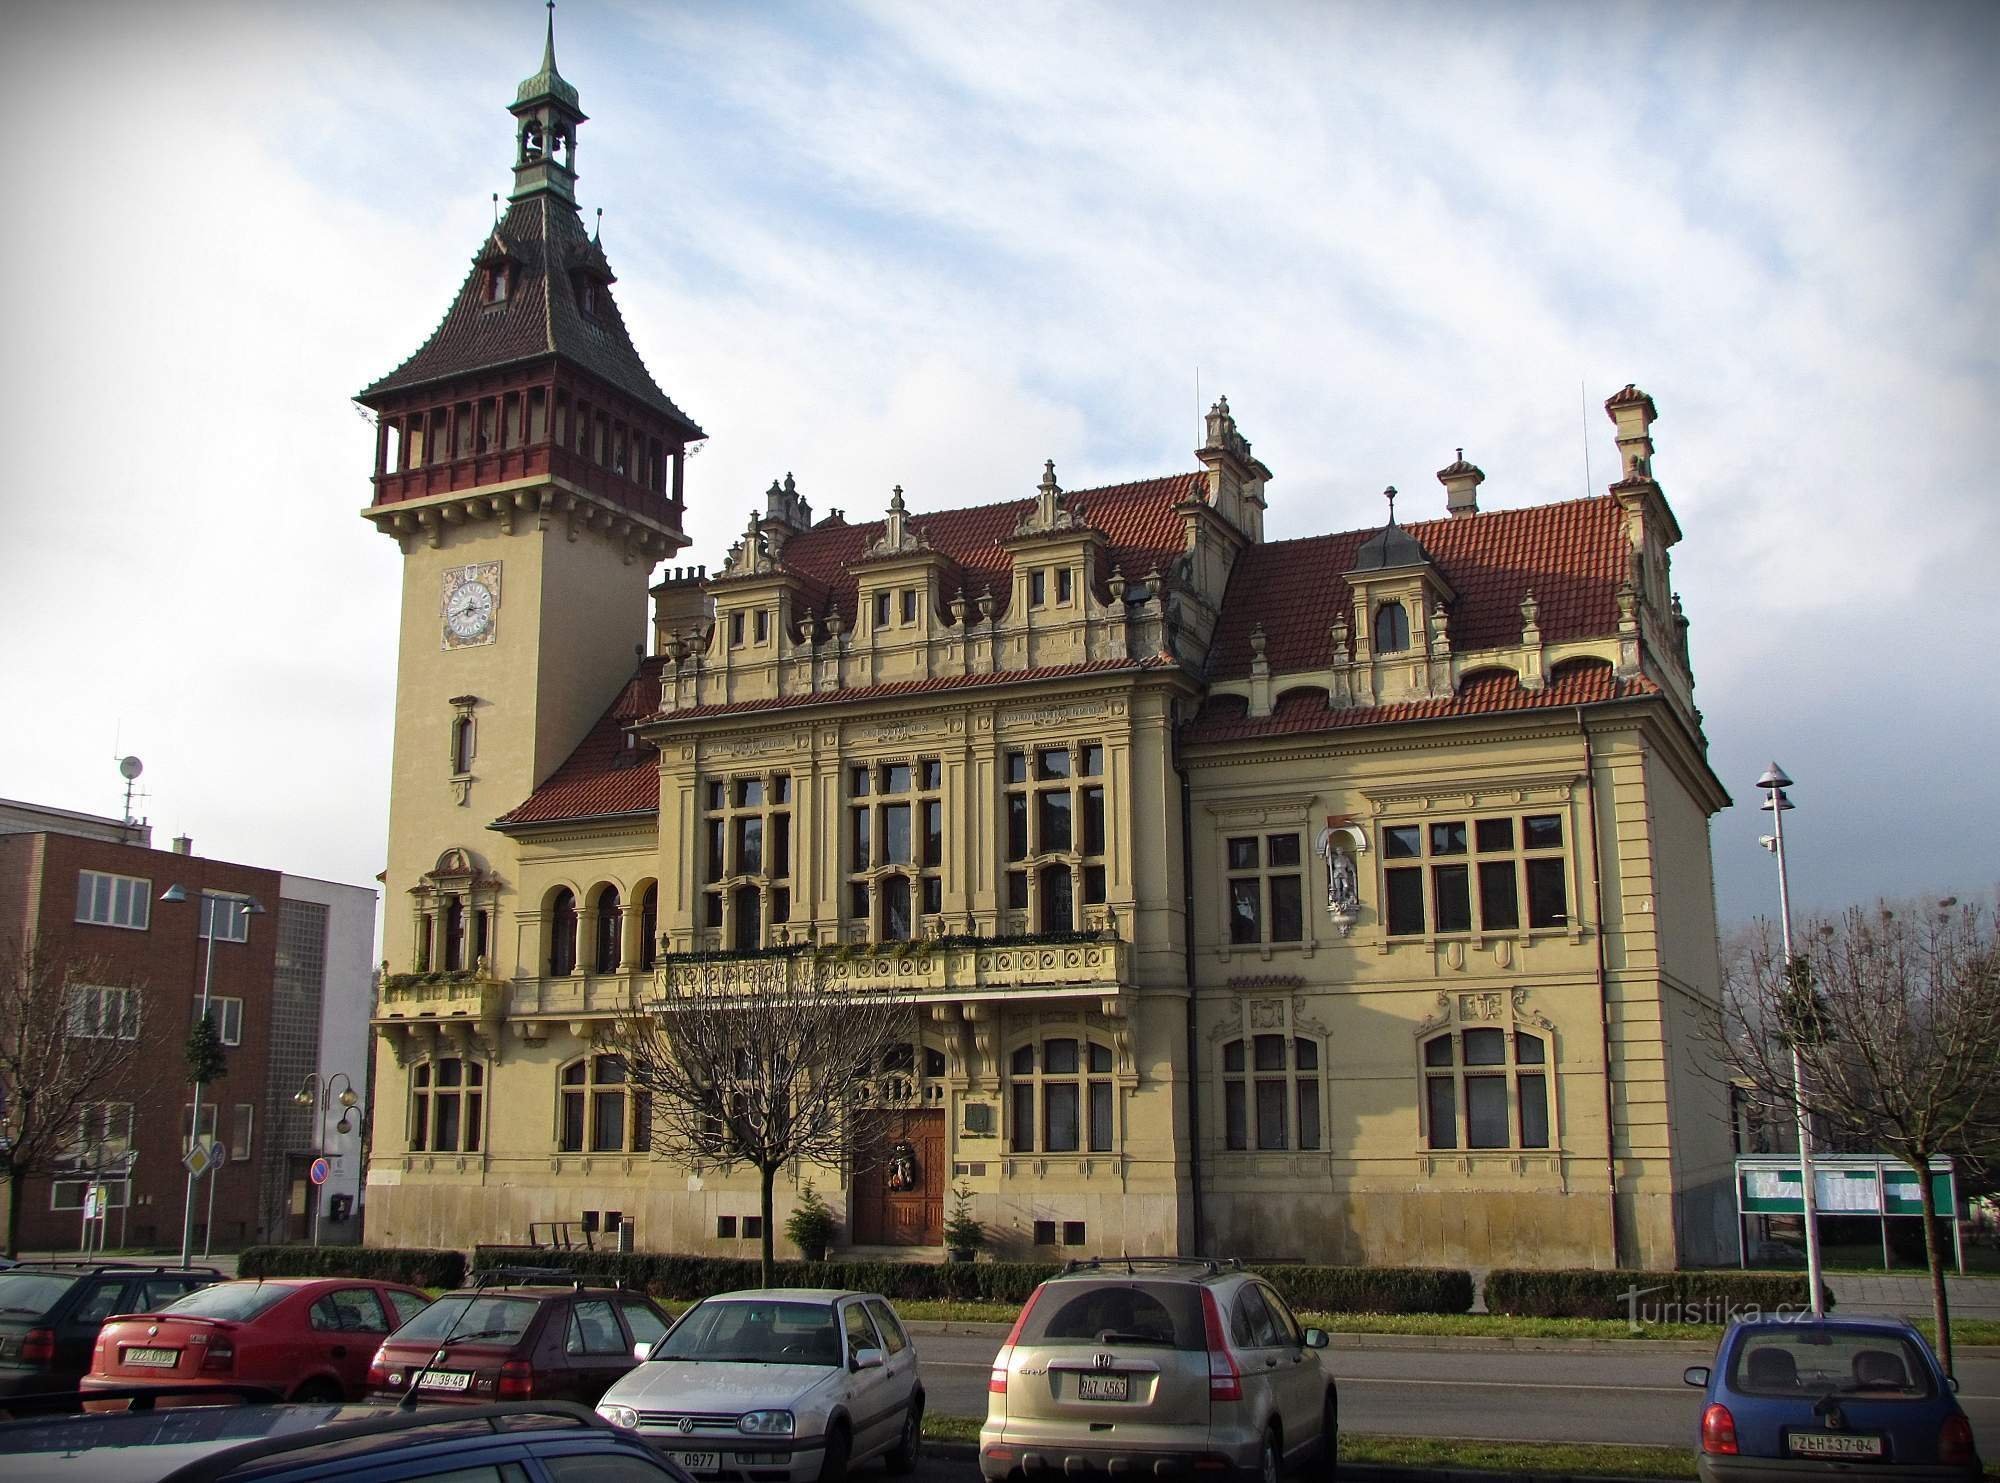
[
  {"x": 194, "y": 1130},
  {"x": 1806, "y": 1193},
  {"x": 208, "y": 1231},
  {"x": 319, "y": 1152}
]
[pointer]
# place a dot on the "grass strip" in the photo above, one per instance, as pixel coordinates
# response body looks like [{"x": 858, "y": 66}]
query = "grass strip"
[
  {"x": 1579, "y": 1459},
  {"x": 951, "y": 1428}
]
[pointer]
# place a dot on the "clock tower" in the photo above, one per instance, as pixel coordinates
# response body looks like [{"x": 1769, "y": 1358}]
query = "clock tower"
[{"x": 530, "y": 469}]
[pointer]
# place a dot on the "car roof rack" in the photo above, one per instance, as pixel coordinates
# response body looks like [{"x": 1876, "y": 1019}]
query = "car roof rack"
[
  {"x": 1211, "y": 1266},
  {"x": 229, "y": 1459},
  {"x": 540, "y": 1277},
  {"x": 92, "y": 1268}
]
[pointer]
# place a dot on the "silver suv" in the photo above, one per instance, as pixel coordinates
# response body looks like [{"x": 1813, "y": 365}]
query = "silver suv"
[{"x": 1161, "y": 1366}]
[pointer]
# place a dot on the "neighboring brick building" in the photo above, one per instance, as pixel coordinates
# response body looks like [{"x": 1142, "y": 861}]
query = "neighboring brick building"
[
  {"x": 83, "y": 896},
  {"x": 1345, "y": 898}
]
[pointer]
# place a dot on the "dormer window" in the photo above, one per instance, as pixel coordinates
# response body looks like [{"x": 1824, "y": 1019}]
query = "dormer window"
[
  {"x": 1064, "y": 586},
  {"x": 909, "y": 605},
  {"x": 881, "y": 610},
  {"x": 1038, "y": 588},
  {"x": 1392, "y": 628},
  {"x": 763, "y": 625},
  {"x": 586, "y": 296},
  {"x": 735, "y": 630},
  {"x": 496, "y": 282}
]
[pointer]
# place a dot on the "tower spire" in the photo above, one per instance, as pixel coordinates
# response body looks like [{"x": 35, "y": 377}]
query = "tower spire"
[{"x": 547, "y": 111}]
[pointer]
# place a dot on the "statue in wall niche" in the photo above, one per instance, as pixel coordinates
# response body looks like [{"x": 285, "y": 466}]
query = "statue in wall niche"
[{"x": 1343, "y": 895}]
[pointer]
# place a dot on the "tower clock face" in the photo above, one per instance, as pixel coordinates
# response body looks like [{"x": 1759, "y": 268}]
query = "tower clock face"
[{"x": 471, "y": 602}]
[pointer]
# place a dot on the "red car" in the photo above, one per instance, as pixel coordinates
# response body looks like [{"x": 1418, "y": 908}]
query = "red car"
[{"x": 307, "y": 1338}]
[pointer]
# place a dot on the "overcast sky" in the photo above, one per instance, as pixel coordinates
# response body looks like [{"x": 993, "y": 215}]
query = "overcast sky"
[{"x": 936, "y": 245}]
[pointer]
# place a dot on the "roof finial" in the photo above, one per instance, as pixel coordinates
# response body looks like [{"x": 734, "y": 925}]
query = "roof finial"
[
  {"x": 1389, "y": 494},
  {"x": 496, "y": 211},
  {"x": 597, "y": 236},
  {"x": 549, "y": 47}
]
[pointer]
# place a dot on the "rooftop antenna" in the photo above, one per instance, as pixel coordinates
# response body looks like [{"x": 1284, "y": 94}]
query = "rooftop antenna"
[
  {"x": 129, "y": 769},
  {"x": 1583, "y": 411}
]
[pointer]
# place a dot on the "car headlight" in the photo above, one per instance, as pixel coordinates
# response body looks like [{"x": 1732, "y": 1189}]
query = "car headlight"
[
  {"x": 766, "y": 1423},
  {"x": 623, "y": 1416}
]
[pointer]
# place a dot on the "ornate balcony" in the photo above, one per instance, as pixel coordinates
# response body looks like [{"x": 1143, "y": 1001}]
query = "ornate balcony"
[
  {"x": 940, "y": 969},
  {"x": 466, "y": 994}
]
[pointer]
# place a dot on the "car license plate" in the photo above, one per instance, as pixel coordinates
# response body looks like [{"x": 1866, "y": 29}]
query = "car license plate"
[
  {"x": 160, "y": 1359},
  {"x": 1104, "y": 1387},
  {"x": 447, "y": 1379},
  {"x": 1835, "y": 1444},
  {"x": 698, "y": 1462}
]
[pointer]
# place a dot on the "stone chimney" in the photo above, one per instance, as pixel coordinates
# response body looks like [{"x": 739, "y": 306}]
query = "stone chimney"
[
  {"x": 183, "y": 844},
  {"x": 1461, "y": 481},
  {"x": 1632, "y": 412}
]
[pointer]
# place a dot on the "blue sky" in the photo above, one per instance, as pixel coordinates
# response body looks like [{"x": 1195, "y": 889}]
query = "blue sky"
[{"x": 934, "y": 245}]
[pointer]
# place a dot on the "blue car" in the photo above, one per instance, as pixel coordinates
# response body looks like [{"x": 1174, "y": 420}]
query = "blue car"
[{"x": 1828, "y": 1397}]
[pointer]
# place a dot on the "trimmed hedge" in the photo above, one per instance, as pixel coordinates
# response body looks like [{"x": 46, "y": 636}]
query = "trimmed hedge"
[
  {"x": 1663, "y": 1297},
  {"x": 417, "y": 1267},
  {"x": 1320, "y": 1289}
]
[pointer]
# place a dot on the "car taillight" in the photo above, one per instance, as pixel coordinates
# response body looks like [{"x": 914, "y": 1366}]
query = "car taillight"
[
  {"x": 1225, "y": 1381},
  {"x": 1955, "y": 1441},
  {"x": 221, "y": 1355},
  {"x": 996, "y": 1381},
  {"x": 38, "y": 1347},
  {"x": 517, "y": 1381},
  {"x": 1718, "y": 1430},
  {"x": 378, "y": 1368}
]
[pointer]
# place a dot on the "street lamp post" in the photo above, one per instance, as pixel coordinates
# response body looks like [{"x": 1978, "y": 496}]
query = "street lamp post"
[
  {"x": 1776, "y": 804},
  {"x": 250, "y": 907},
  {"x": 319, "y": 1089}
]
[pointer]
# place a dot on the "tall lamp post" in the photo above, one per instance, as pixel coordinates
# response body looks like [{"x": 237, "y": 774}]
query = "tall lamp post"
[
  {"x": 250, "y": 907},
  {"x": 1776, "y": 804},
  {"x": 319, "y": 1089}
]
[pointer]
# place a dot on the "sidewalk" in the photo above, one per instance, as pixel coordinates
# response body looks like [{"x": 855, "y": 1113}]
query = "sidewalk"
[{"x": 1909, "y": 1295}]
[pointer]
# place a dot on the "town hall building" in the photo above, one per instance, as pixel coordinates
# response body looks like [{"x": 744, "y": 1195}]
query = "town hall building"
[{"x": 1342, "y": 899}]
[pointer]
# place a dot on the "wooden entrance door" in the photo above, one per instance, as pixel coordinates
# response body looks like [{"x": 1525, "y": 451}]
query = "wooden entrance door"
[{"x": 911, "y": 1216}]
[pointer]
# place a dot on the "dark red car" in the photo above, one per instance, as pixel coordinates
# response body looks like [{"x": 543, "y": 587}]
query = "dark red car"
[
  {"x": 307, "y": 1338},
  {"x": 529, "y": 1343}
]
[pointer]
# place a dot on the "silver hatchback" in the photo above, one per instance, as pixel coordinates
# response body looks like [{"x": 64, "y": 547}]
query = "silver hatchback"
[{"x": 1159, "y": 1366}]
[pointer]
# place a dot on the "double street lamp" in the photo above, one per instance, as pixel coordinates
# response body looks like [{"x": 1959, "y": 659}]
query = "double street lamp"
[
  {"x": 1776, "y": 804},
  {"x": 319, "y": 1089},
  {"x": 212, "y": 903}
]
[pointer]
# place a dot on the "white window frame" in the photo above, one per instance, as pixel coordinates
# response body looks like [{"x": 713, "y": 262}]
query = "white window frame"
[
  {"x": 236, "y": 925},
  {"x": 242, "y": 1130},
  {"x": 107, "y": 900},
  {"x": 228, "y": 1012},
  {"x": 93, "y": 1017},
  {"x": 208, "y": 1117},
  {"x": 68, "y": 1194}
]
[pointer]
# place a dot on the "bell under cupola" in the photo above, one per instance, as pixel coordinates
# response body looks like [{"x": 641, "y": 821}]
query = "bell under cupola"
[{"x": 547, "y": 112}]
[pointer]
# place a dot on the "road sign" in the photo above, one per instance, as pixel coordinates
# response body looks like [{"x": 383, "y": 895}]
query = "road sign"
[
  {"x": 320, "y": 1171},
  {"x": 197, "y": 1161}
]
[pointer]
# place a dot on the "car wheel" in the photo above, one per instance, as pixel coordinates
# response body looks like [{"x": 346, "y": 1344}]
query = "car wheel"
[
  {"x": 1326, "y": 1463},
  {"x": 316, "y": 1392},
  {"x": 910, "y": 1446},
  {"x": 1270, "y": 1464},
  {"x": 833, "y": 1467}
]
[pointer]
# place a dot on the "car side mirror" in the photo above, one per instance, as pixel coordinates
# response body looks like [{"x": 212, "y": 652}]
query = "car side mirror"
[
  {"x": 1952, "y": 1381},
  {"x": 1316, "y": 1339},
  {"x": 1696, "y": 1375},
  {"x": 867, "y": 1359},
  {"x": 642, "y": 1350}
]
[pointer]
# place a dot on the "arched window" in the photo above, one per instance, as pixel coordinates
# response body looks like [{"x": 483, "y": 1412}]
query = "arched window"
[
  {"x": 594, "y": 1106},
  {"x": 461, "y": 746},
  {"x": 1059, "y": 1097},
  {"x": 1392, "y": 629},
  {"x": 609, "y": 923},
  {"x": 454, "y": 933},
  {"x": 1270, "y": 1093},
  {"x": 1486, "y": 1088},
  {"x": 562, "y": 933},
  {"x": 447, "y": 1103},
  {"x": 649, "y": 926}
]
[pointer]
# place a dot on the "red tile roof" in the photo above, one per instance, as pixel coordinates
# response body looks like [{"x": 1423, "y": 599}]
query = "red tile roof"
[
  {"x": 1573, "y": 555},
  {"x": 1137, "y": 522},
  {"x": 603, "y": 777},
  {"x": 897, "y": 689},
  {"x": 1581, "y": 682}
]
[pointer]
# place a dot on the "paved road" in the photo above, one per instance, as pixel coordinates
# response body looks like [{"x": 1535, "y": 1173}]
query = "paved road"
[{"x": 1516, "y": 1394}]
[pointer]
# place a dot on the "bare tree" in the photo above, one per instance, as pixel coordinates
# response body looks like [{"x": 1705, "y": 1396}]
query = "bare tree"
[
  {"x": 761, "y": 1061},
  {"x": 68, "y": 1042},
  {"x": 1895, "y": 1015}
]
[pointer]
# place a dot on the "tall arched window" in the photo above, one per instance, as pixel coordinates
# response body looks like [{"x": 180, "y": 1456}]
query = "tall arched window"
[
  {"x": 609, "y": 923},
  {"x": 1486, "y": 1088},
  {"x": 461, "y": 746},
  {"x": 562, "y": 933},
  {"x": 649, "y": 926},
  {"x": 748, "y": 903},
  {"x": 594, "y": 1105},
  {"x": 454, "y": 933},
  {"x": 447, "y": 1105},
  {"x": 1058, "y": 897},
  {"x": 1059, "y": 1097},
  {"x": 1392, "y": 628},
  {"x": 1270, "y": 1093}
]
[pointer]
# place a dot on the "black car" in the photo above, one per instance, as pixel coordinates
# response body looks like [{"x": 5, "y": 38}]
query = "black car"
[
  {"x": 50, "y": 1313},
  {"x": 351, "y": 1444}
]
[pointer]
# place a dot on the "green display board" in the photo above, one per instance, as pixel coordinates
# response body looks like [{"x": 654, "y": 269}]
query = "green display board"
[{"x": 1842, "y": 1186}]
